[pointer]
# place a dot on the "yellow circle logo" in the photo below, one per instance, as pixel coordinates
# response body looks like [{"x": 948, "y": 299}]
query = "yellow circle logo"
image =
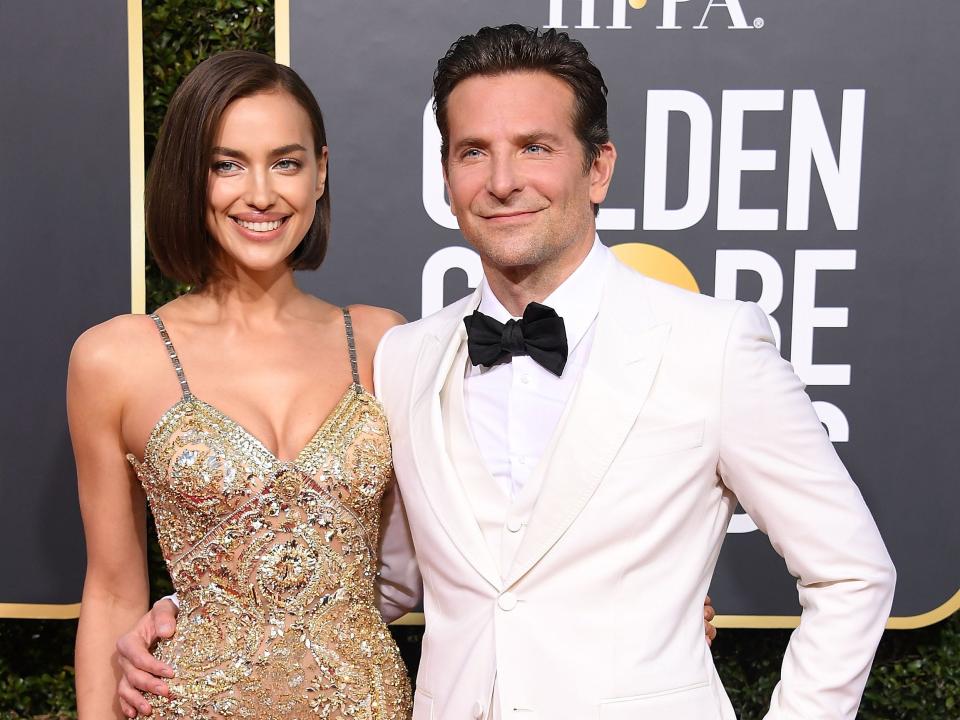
[
  {"x": 638, "y": 4},
  {"x": 657, "y": 263}
]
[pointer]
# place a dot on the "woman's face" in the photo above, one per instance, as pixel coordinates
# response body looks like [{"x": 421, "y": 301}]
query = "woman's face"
[{"x": 264, "y": 183}]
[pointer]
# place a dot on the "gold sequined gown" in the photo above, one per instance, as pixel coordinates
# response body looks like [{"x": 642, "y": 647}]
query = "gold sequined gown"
[{"x": 274, "y": 564}]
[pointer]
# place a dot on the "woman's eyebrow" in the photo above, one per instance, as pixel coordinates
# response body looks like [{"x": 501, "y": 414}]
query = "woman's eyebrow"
[{"x": 239, "y": 154}]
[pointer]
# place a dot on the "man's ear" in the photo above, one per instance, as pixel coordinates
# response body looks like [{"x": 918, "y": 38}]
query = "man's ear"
[
  {"x": 601, "y": 172},
  {"x": 322, "y": 172}
]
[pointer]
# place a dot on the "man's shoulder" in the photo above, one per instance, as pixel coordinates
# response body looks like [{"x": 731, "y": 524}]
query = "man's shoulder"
[
  {"x": 399, "y": 350},
  {"x": 437, "y": 323},
  {"x": 671, "y": 302}
]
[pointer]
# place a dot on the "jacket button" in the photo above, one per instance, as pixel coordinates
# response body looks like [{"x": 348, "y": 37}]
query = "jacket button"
[
  {"x": 507, "y": 601},
  {"x": 478, "y": 710},
  {"x": 514, "y": 524}
]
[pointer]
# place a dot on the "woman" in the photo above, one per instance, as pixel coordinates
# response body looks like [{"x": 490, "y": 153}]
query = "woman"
[{"x": 268, "y": 464}]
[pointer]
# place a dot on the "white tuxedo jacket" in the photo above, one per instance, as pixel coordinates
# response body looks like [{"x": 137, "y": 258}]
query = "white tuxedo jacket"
[{"x": 684, "y": 406}]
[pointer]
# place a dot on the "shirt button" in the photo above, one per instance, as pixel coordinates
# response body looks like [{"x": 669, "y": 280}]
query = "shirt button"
[
  {"x": 507, "y": 601},
  {"x": 522, "y": 460},
  {"x": 514, "y": 524},
  {"x": 478, "y": 709},
  {"x": 525, "y": 379}
]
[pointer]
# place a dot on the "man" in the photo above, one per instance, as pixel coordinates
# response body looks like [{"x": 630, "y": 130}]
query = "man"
[{"x": 569, "y": 483}]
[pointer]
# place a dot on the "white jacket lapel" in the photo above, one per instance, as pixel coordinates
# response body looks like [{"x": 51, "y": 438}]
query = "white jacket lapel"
[
  {"x": 434, "y": 468},
  {"x": 617, "y": 378}
]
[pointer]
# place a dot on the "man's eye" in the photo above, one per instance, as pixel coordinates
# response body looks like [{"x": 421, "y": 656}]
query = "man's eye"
[
  {"x": 471, "y": 153},
  {"x": 288, "y": 164},
  {"x": 225, "y": 166},
  {"x": 536, "y": 149}
]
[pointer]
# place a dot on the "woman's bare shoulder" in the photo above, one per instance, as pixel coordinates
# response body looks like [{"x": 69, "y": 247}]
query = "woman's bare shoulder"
[{"x": 112, "y": 347}]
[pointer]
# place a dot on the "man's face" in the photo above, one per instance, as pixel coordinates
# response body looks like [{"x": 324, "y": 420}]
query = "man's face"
[{"x": 515, "y": 171}]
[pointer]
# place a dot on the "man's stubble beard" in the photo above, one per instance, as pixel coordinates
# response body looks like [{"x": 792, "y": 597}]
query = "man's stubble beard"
[{"x": 537, "y": 249}]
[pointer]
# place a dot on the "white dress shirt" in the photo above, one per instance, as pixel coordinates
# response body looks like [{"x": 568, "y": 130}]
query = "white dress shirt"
[{"x": 513, "y": 408}]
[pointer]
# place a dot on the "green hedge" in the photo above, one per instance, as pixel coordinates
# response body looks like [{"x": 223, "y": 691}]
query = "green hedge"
[{"x": 916, "y": 675}]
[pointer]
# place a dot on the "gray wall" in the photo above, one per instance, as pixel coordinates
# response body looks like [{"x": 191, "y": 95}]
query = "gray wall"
[
  {"x": 884, "y": 221},
  {"x": 64, "y": 266}
]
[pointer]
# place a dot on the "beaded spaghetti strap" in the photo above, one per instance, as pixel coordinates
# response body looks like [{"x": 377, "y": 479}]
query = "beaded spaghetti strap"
[
  {"x": 171, "y": 351},
  {"x": 352, "y": 347}
]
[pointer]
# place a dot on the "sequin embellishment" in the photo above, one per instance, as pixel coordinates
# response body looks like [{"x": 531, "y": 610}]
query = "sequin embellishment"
[{"x": 274, "y": 565}]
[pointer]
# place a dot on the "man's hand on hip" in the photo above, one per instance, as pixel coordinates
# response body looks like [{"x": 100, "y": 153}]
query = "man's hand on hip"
[{"x": 141, "y": 671}]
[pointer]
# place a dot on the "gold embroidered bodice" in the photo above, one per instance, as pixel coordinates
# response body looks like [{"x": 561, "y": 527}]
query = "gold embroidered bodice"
[{"x": 274, "y": 564}]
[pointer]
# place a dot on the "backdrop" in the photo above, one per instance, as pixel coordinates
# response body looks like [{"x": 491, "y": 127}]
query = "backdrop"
[
  {"x": 799, "y": 154},
  {"x": 65, "y": 264}
]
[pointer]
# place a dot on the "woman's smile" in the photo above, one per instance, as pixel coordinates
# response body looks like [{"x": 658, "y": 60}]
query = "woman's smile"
[{"x": 262, "y": 228}]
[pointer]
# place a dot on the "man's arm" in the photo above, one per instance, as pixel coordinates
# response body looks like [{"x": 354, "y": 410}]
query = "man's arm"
[
  {"x": 399, "y": 586},
  {"x": 776, "y": 457}
]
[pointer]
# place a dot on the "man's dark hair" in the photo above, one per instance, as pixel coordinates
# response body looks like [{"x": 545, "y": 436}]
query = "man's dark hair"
[
  {"x": 176, "y": 192},
  {"x": 515, "y": 48}
]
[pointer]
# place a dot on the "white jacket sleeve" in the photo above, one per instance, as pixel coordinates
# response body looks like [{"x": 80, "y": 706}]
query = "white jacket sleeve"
[
  {"x": 778, "y": 460},
  {"x": 399, "y": 586}
]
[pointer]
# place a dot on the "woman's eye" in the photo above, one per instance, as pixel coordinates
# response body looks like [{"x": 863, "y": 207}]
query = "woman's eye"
[
  {"x": 287, "y": 164},
  {"x": 225, "y": 166}
]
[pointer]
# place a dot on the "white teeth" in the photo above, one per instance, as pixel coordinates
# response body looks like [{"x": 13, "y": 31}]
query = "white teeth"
[{"x": 259, "y": 226}]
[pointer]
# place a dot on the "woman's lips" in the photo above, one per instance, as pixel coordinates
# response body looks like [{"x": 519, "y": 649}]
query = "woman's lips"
[{"x": 261, "y": 229}]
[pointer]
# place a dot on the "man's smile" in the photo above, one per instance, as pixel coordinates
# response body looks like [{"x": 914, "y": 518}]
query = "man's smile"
[{"x": 510, "y": 216}]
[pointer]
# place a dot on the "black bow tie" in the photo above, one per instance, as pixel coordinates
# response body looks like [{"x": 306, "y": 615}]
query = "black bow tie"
[{"x": 540, "y": 333}]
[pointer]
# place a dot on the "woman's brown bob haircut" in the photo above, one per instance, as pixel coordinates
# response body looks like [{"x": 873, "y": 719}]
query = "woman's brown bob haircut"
[{"x": 177, "y": 181}]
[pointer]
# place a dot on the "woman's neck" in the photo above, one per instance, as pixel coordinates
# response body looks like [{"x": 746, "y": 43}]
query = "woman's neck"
[{"x": 253, "y": 298}]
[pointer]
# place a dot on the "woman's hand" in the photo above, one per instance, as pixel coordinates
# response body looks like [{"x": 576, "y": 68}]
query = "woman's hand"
[{"x": 708, "y": 615}]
